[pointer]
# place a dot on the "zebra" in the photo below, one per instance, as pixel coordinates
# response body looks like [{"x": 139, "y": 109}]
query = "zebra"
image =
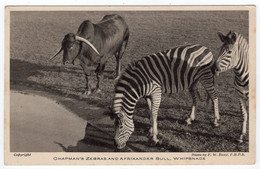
[
  {"x": 234, "y": 55},
  {"x": 170, "y": 71}
]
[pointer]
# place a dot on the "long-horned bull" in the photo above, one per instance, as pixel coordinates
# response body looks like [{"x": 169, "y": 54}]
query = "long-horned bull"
[{"x": 93, "y": 44}]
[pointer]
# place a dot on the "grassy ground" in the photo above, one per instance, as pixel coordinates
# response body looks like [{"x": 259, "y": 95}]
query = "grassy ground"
[{"x": 36, "y": 36}]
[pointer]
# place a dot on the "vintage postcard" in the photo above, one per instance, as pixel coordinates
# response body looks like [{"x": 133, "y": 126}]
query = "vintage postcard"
[{"x": 130, "y": 85}]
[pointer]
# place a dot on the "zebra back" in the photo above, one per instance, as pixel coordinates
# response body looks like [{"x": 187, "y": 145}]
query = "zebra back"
[{"x": 173, "y": 70}]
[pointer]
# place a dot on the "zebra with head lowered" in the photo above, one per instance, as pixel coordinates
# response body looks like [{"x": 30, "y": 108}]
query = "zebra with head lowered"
[
  {"x": 169, "y": 71},
  {"x": 234, "y": 55}
]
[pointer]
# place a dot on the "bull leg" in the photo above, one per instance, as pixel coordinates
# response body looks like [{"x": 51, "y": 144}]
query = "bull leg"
[
  {"x": 99, "y": 76},
  {"x": 119, "y": 56},
  {"x": 86, "y": 73},
  {"x": 87, "y": 89},
  {"x": 99, "y": 80},
  {"x": 117, "y": 71}
]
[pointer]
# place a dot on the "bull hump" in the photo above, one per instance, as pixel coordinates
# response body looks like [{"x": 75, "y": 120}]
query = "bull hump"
[
  {"x": 108, "y": 17},
  {"x": 86, "y": 29}
]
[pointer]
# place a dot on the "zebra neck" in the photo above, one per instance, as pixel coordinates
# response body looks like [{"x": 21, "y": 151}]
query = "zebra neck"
[
  {"x": 125, "y": 103},
  {"x": 243, "y": 55},
  {"x": 241, "y": 69}
]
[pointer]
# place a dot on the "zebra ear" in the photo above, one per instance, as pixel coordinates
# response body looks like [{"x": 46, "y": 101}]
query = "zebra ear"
[
  {"x": 233, "y": 37},
  {"x": 222, "y": 37}
]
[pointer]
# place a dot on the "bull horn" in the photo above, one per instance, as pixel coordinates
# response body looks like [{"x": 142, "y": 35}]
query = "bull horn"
[
  {"x": 56, "y": 54},
  {"x": 87, "y": 42}
]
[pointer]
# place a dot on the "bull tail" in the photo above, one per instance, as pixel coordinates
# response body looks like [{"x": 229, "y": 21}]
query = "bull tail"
[{"x": 121, "y": 50}]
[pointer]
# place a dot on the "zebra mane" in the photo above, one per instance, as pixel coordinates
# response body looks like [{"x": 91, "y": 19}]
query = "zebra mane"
[
  {"x": 132, "y": 65},
  {"x": 237, "y": 35},
  {"x": 241, "y": 40}
]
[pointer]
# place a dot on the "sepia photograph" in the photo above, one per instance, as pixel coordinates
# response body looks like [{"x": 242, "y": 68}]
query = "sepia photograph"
[{"x": 123, "y": 85}]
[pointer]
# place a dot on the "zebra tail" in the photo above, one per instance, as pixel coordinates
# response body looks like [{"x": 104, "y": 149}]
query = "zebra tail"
[
  {"x": 213, "y": 68},
  {"x": 198, "y": 94}
]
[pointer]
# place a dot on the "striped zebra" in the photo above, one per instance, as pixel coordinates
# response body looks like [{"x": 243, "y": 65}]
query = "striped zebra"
[
  {"x": 234, "y": 55},
  {"x": 169, "y": 71}
]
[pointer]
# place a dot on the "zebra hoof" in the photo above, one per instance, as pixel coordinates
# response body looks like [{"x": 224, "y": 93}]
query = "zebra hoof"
[
  {"x": 125, "y": 149},
  {"x": 188, "y": 121},
  {"x": 240, "y": 141},
  {"x": 153, "y": 143},
  {"x": 158, "y": 144},
  {"x": 216, "y": 125}
]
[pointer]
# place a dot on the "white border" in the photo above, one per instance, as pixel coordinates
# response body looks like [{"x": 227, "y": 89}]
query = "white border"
[{"x": 4, "y": 3}]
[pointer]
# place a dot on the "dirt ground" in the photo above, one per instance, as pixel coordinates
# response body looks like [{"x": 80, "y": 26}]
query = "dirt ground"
[{"x": 36, "y": 36}]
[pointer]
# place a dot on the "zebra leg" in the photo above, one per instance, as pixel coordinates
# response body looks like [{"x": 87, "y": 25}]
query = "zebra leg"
[
  {"x": 216, "y": 111},
  {"x": 149, "y": 102},
  {"x": 194, "y": 104},
  {"x": 208, "y": 83},
  {"x": 155, "y": 104},
  {"x": 244, "y": 113}
]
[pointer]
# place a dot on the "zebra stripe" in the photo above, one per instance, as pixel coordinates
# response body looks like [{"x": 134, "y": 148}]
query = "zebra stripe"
[
  {"x": 169, "y": 71},
  {"x": 234, "y": 55}
]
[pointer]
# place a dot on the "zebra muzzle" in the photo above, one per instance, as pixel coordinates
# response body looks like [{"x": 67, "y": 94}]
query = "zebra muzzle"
[
  {"x": 122, "y": 149},
  {"x": 119, "y": 147}
]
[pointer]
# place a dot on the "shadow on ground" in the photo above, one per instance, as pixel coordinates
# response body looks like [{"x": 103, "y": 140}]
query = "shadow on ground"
[
  {"x": 22, "y": 71},
  {"x": 95, "y": 140}
]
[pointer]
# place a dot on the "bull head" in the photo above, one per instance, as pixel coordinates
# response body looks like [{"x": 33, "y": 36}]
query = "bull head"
[{"x": 68, "y": 42}]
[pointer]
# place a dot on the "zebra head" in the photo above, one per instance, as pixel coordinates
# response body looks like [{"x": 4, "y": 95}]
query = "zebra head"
[
  {"x": 124, "y": 127},
  {"x": 227, "y": 57}
]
